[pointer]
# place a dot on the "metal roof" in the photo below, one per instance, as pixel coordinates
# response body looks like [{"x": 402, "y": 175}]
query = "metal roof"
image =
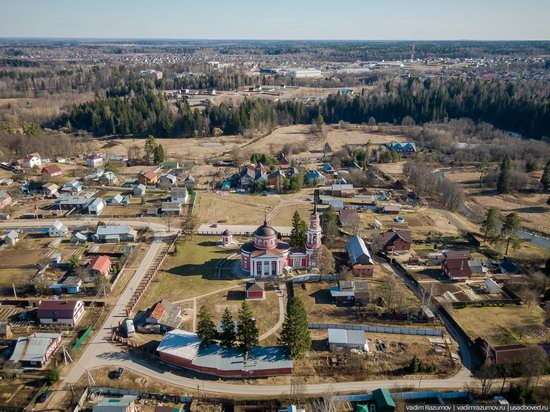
[
  {"x": 346, "y": 337},
  {"x": 358, "y": 252},
  {"x": 112, "y": 230},
  {"x": 180, "y": 343},
  {"x": 33, "y": 348},
  {"x": 115, "y": 404}
]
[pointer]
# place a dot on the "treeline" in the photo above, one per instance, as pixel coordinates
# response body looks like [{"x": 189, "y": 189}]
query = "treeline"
[
  {"x": 139, "y": 116},
  {"x": 521, "y": 107}
]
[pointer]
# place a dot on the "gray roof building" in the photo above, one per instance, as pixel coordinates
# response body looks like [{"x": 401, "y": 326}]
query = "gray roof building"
[
  {"x": 358, "y": 252},
  {"x": 347, "y": 339}
]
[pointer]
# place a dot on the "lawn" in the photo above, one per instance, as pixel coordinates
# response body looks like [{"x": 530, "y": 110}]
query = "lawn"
[
  {"x": 266, "y": 312},
  {"x": 283, "y": 216},
  {"x": 189, "y": 272},
  {"x": 20, "y": 277},
  {"x": 504, "y": 325}
]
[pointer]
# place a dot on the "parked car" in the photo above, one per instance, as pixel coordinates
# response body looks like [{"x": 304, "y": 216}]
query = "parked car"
[
  {"x": 43, "y": 396},
  {"x": 117, "y": 375}
]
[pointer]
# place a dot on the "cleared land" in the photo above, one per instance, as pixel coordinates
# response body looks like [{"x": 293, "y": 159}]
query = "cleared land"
[
  {"x": 189, "y": 272},
  {"x": 504, "y": 325}
]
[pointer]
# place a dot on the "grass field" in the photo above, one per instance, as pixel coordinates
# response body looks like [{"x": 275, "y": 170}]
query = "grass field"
[
  {"x": 266, "y": 312},
  {"x": 283, "y": 216},
  {"x": 189, "y": 272},
  {"x": 504, "y": 325},
  {"x": 233, "y": 208}
]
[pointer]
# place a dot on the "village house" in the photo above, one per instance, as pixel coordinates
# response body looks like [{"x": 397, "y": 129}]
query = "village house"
[
  {"x": 118, "y": 199},
  {"x": 455, "y": 265},
  {"x": 31, "y": 160},
  {"x": 171, "y": 208},
  {"x": 345, "y": 340},
  {"x": 162, "y": 317},
  {"x": 396, "y": 241},
  {"x": 95, "y": 160},
  {"x": 79, "y": 237},
  {"x": 35, "y": 351},
  {"x": 11, "y": 238},
  {"x": 255, "y": 290},
  {"x": 139, "y": 190},
  {"x": 314, "y": 177},
  {"x": 50, "y": 190},
  {"x": 403, "y": 149},
  {"x": 349, "y": 218},
  {"x": 56, "y": 312},
  {"x": 72, "y": 187},
  {"x": 148, "y": 178},
  {"x": 72, "y": 285},
  {"x": 51, "y": 171},
  {"x": 179, "y": 195},
  {"x": 108, "y": 179},
  {"x": 359, "y": 258},
  {"x": 351, "y": 291},
  {"x": 342, "y": 190},
  {"x": 391, "y": 209},
  {"x": 167, "y": 181},
  {"x": 69, "y": 202},
  {"x": 5, "y": 199},
  {"x": 115, "y": 234},
  {"x": 58, "y": 229},
  {"x": 96, "y": 206},
  {"x": 250, "y": 174},
  {"x": 100, "y": 265}
]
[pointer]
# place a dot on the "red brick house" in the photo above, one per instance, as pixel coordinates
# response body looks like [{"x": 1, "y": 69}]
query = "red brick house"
[
  {"x": 51, "y": 171},
  {"x": 455, "y": 265},
  {"x": 255, "y": 290},
  {"x": 148, "y": 178},
  {"x": 396, "y": 241}
]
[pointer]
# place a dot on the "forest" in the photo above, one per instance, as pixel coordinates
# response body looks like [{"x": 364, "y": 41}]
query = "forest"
[{"x": 521, "y": 107}]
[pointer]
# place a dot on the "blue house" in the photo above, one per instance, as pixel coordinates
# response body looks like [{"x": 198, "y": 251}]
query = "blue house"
[
  {"x": 314, "y": 176},
  {"x": 327, "y": 168}
]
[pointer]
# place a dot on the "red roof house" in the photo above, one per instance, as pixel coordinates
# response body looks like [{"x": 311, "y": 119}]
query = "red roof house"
[
  {"x": 52, "y": 171},
  {"x": 67, "y": 312},
  {"x": 101, "y": 265},
  {"x": 148, "y": 178},
  {"x": 455, "y": 265}
]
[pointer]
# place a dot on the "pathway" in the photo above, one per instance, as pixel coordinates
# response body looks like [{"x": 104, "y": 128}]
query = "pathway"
[{"x": 279, "y": 324}]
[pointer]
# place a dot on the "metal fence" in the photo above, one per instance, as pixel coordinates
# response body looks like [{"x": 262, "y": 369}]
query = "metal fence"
[{"x": 378, "y": 329}]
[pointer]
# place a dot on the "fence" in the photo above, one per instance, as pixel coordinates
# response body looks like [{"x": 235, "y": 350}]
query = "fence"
[
  {"x": 378, "y": 329},
  {"x": 315, "y": 278},
  {"x": 83, "y": 337}
]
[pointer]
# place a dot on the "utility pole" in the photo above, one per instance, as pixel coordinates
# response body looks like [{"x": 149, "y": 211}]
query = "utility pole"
[{"x": 14, "y": 291}]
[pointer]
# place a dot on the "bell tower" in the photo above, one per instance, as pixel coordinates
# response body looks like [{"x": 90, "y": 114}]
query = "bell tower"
[{"x": 313, "y": 232}]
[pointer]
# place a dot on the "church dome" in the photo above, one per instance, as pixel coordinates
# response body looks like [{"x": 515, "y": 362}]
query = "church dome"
[{"x": 265, "y": 231}]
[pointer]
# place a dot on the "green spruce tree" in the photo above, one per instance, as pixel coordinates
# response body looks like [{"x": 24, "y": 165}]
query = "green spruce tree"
[
  {"x": 206, "y": 330},
  {"x": 247, "y": 331},
  {"x": 505, "y": 175},
  {"x": 298, "y": 235},
  {"x": 295, "y": 334},
  {"x": 228, "y": 335},
  {"x": 329, "y": 224}
]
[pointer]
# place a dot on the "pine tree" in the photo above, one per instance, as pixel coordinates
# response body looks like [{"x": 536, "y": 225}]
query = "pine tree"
[
  {"x": 295, "y": 334},
  {"x": 247, "y": 332},
  {"x": 228, "y": 335},
  {"x": 511, "y": 225},
  {"x": 491, "y": 224},
  {"x": 504, "y": 177},
  {"x": 206, "y": 329},
  {"x": 414, "y": 365},
  {"x": 545, "y": 179},
  {"x": 158, "y": 154},
  {"x": 298, "y": 235}
]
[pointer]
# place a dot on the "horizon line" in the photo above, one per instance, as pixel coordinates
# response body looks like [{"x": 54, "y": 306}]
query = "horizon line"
[{"x": 260, "y": 39}]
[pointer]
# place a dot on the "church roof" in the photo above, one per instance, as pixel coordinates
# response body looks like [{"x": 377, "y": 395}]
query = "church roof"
[{"x": 265, "y": 231}]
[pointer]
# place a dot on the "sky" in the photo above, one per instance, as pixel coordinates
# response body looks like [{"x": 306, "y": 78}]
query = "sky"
[{"x": 280, "y": 19}]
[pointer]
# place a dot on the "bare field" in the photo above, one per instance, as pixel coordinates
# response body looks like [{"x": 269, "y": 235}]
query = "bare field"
[
  {"x": 504, "y": 325},
  {"x": 532, "y": 208},
  {"x": 233, "y": 208}
]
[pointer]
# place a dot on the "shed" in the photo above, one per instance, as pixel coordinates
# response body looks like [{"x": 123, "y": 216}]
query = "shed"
[
  {"x": 139, "y": 190},
  {"x": 124, "y": 404},
  {"x": 255, "y": 290},
  {"x": 11, "y": 238},
  {"x": 346, "y": 339}
]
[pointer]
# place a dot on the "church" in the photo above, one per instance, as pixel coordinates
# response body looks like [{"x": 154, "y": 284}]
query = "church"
[{"x": 268, "y": 256}]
